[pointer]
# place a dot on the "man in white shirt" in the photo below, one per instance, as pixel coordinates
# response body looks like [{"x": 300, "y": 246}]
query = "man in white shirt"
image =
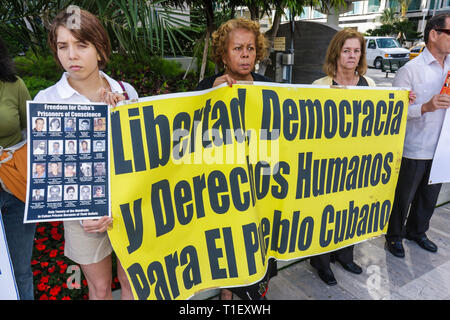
[{"x": 425, "y": 75}]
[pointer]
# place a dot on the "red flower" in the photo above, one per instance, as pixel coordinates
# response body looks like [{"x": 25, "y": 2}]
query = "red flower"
[
  {"x": 39, "y": 241},
  {"x": 43, "y": 297},
  {"x": 44, "y": 279},
  {"x": 63, "y": 268},
  {"x": 41, "y": 247},
  {"x": 42, "y": 287},
  {"x": 51, "y": 269},
  {"x": 66, "y": 298},
  {"x": 53, "y": 253},
  {"x": 55, "y": 290},
  {"x": 44, "y": 264},
  {"x": 40, "y": 230},
  {"x": 57, "y": 236}
]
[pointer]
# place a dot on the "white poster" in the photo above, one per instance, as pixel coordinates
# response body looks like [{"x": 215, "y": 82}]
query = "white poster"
[
  {"x": 440, "y": 169},
  {"x": 8, "y": 289}
]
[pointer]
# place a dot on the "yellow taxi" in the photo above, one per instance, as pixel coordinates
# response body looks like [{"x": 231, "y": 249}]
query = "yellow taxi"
[{"x": 416, "y": 50}]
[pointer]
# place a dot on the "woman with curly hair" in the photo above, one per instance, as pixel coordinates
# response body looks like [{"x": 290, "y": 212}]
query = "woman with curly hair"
[{"x": 237, "y": 46}]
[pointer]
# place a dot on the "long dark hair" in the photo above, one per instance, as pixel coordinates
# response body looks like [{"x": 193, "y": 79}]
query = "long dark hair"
[{"x": 7, "y": 69}]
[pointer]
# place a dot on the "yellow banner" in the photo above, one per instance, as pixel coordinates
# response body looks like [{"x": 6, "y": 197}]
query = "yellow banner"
[{"x": 207, "y": 186}]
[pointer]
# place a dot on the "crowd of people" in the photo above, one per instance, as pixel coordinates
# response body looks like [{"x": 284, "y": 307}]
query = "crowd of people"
[{"x": 237, "y": 46}]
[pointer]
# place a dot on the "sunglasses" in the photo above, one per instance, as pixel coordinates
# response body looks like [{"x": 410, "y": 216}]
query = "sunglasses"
[{"x": 447, "y": 31}]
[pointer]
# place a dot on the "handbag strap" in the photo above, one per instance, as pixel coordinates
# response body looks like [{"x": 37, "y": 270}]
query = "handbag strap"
[{"x": 124, "y": 91}]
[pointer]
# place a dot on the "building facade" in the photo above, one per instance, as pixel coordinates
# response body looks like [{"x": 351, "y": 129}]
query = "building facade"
[{"x": 365, "y": 15}]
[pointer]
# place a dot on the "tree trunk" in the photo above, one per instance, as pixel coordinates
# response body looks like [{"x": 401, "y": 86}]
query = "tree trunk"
[
  {"x": 205, "y": 57},
  {"x": 210, "y": 27}
]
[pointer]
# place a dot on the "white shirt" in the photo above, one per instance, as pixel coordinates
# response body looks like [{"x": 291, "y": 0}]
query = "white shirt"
[
  {"x": 425, "y": 76},
  {"x": 63, "y": 92}
]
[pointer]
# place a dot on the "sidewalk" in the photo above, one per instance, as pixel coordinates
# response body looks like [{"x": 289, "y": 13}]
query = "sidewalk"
[
  {"x": 380, "y": 77},
  {"x": 421, "y": 275}
]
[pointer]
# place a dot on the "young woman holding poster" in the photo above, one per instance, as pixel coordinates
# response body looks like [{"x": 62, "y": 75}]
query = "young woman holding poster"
[
  {"x": 13, "y": 173},
  {"x": 83, "y": 50},
  {"x": 237, "y": 45}
]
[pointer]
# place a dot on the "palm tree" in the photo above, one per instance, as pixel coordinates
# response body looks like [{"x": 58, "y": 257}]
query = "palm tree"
[
  {"x": 388, "y": 16},
  {"x": 404, "y": 4},
  {"x": 139, "y": 28}
]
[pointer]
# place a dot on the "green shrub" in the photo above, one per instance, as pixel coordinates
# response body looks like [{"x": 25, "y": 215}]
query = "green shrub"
[
  {"x": 150, "y": 77},
  {"x": 36, "y": 84},
  {"x": 39, "y": 67}
]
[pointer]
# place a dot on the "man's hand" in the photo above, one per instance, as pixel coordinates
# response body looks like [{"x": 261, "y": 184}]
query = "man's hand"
[{"x": 439, "y": 101}]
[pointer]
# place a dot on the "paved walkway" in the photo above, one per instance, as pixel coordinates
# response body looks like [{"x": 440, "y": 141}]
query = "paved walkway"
[{"x": 421, "y": 275}]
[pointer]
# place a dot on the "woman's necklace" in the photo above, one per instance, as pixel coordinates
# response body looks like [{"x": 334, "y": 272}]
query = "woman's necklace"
[{"x": 353, "y": 82}]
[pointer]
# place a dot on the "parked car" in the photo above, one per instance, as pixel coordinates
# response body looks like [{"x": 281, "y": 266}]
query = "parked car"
[
  {"x": 414, "y": 51},
  {"x": 388, "y": 48}
]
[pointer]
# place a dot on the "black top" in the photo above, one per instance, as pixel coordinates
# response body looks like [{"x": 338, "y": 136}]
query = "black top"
[
  {"x": 208, "y": 82},
  {"x": 362, "y": 82}
]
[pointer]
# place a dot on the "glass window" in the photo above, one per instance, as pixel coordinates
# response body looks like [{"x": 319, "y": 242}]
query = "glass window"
[
  {"x": 357, "y": 8},
  {"x": 374, "y": 6},
  {"x": 414, "y": 5},
  {"x": 431, "y": 7},
  {"x": 393, "y": 4},
  {"x": 305, "y": 13},
  {"x": 388, "y": 43},
  {"x": 317, "y": 14}
]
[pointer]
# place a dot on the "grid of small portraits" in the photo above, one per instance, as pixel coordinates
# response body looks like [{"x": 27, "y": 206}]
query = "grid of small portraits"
[{"x": 69, "y": 160}]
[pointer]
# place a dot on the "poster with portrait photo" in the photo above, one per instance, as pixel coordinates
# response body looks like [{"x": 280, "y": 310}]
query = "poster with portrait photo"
[{"x": 62, "y": 145}]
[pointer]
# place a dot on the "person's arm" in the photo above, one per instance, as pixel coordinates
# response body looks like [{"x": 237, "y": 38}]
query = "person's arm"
[
  {"x": 24, "y": 95},
  {"x": 403, "y": 78},
  {"x": 438, "y": 101}
]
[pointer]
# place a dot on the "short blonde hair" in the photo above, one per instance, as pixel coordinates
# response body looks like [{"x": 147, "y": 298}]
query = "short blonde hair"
[
  {"x": 220, "y": 39},
  {"x": 334, "y": 51}
]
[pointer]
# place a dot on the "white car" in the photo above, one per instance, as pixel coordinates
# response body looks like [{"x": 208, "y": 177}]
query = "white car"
[{"x": 387, "y": 48}]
